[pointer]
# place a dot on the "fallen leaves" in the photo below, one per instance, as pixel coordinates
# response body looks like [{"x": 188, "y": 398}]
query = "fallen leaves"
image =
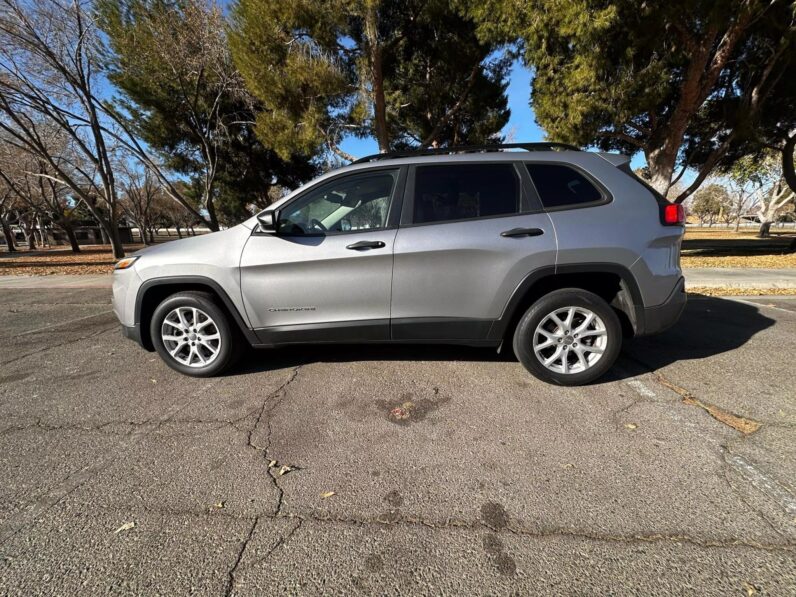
[
  {"x": 741, "y": 424},
  {"x": 768, "y": 261},
  {"x": 749, "y": 588},
  {"x": 728, "y": 291},
  {"x": 737, "y": 422},
  {"x": 92, "y": 260},
  {"x": 283, "y": 469},
  {"x": 125, "y": 527},
  {"x": 327, "y": 494}
]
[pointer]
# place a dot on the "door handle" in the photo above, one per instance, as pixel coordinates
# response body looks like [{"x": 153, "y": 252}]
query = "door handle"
[
  {"x": 522, "y": 232},
  {"x": 366, "y": 244}
]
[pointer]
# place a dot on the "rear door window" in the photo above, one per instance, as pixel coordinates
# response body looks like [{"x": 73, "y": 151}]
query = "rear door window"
[
  {"x": 562, "y": 186},
  {"x": 464, "y": 192}
]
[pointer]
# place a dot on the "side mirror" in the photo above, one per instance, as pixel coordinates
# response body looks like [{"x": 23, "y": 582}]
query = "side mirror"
[{"x": 267, "y": 220}]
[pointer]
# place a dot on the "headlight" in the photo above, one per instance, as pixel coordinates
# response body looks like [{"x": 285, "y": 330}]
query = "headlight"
[{"x": 126, "y": 262}]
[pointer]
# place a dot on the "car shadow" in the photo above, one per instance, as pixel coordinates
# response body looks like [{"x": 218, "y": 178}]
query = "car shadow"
[{"x": 709, "y": 326}]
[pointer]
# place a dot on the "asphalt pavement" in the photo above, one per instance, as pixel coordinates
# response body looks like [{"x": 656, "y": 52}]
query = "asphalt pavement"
[{"x": 395, "y": 470}]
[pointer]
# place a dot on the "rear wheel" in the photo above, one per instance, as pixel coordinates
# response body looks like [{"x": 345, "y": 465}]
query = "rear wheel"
[
  {"x": 193, "y": 335},
  {"x": 568, "y": 337}
]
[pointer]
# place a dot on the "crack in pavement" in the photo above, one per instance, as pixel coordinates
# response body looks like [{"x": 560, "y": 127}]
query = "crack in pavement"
[
  {"x": 758, "y": 511},
  {"x": 741, "y": 424},
  {"x": 60, "y": 344},
  {"x": 233, "y": 570},
  {"x": 38, "y": 424},
  {"x": 32, "y": 511},
  {"x": 279, "y": 394},
  {"x": 762, "y": 481},
  {"x": 101, "y": 427},
  {"x": 279, "y": 543},
  {"x": 56, "y": 325}
]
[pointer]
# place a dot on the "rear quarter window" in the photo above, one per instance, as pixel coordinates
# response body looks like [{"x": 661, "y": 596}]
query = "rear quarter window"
[{"x": 562, "y": 186}]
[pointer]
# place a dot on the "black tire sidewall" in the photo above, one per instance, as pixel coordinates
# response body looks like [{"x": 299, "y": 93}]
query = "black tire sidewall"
[
  {"x": 568, "y": 297},
  {"x": 199, "y": 301}
]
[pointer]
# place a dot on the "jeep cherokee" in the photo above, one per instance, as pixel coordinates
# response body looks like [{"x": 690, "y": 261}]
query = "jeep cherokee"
[{"x": 555, "y": 251}]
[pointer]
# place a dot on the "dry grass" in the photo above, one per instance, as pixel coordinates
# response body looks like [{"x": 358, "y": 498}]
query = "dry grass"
[
  {"x": 701, "y": 233},
  {"x": 721, "y": 247},
  {"x": 752, "y": 260},
  {"x": 92, "y": 259},
  {"x": 726, "y": 291}
]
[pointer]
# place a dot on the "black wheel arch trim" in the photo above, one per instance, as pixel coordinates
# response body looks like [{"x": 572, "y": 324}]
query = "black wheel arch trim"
[
  {"x": 628, "y": 281},
  {"x": 250, "y": 336}
]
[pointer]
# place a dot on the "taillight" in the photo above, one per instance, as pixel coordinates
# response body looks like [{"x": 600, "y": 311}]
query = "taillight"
[{"x": 673, "y": 214}]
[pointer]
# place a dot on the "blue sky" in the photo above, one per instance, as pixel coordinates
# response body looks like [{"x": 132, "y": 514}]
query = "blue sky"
[{"x": 521, "y": 126}]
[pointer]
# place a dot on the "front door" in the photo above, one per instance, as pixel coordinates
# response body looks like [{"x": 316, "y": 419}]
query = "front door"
[{"x": 327, "y": 272}]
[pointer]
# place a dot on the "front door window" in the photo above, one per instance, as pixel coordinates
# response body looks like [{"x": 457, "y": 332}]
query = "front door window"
[{"x": 350, "y": 204}]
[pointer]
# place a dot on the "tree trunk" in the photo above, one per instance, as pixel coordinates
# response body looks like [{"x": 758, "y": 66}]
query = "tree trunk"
[
  {"x": 112, "y": 232},
  {"x": 70, "y": 234},
  {"x": 142, "y": 233},
  {"x": 179, "y": 234},
  {"x": 151, "y": 236},
  {"x": 9, "y": 234},
  {"x": 116, "y": 243},
  {"x": 211, "y": 212},
  {"x": 788, "y": 169},
  {"x": 765, "y": 230},
  {"x": 377, "y": 74},
  {"x": 31, "y": 237}
]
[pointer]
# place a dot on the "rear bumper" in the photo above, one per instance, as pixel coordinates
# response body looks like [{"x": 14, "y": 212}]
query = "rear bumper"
[{"x": 659, "y": 318}]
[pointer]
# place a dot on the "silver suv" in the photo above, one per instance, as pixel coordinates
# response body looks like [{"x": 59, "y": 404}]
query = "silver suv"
[{"x": 557, "y": 252}]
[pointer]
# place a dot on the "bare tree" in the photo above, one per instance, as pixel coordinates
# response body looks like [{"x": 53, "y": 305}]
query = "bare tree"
[
  {"x": 141, "y": 191},
  {"x": 773, "y": 204},
  {"x": 741, "y": 195},
  {"x": 50, "y": 81},
  {"x": 35, "y": 185},
  {"x": 7, "y": 197},
  {"x": 49, "y": 67}
]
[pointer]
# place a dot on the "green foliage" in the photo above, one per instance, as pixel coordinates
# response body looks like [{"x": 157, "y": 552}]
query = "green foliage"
[
  {"x": 317, "y": 67},
  {"x": 711, "y": 201},
  {"x": 185, "y": 98},
  {"x": 677, "y": 80}
]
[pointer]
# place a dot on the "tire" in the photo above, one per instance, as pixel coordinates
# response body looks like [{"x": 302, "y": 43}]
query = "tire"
[
  {"x": 571, "y": 361},
  {"x": 178, "y": 344}
]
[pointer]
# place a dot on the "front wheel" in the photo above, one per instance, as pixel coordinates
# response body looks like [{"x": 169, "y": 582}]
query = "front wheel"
[
  {"x": 568, "y": 337},
  {"x": 192, "y": 334}
]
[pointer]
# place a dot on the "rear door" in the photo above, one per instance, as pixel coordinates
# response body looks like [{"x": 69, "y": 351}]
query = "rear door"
[
  {"x": 470, "y": 232},
  {"x": 326, "y": 274}
]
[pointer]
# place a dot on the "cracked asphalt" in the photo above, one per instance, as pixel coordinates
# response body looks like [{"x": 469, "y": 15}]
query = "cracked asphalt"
[{"x": 673, "y": 476}]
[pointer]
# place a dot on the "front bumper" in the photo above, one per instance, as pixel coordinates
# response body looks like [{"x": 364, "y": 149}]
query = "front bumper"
[
  {"x": 133, "y": 333},
  {"x": 662, "y": 317}
]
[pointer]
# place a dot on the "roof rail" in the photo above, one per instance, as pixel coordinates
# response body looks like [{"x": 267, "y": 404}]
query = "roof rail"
[{"x": 543, "y": 146}]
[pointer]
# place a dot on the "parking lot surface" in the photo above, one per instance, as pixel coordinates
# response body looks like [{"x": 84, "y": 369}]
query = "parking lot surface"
[{"x": 395, "y": 470}]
